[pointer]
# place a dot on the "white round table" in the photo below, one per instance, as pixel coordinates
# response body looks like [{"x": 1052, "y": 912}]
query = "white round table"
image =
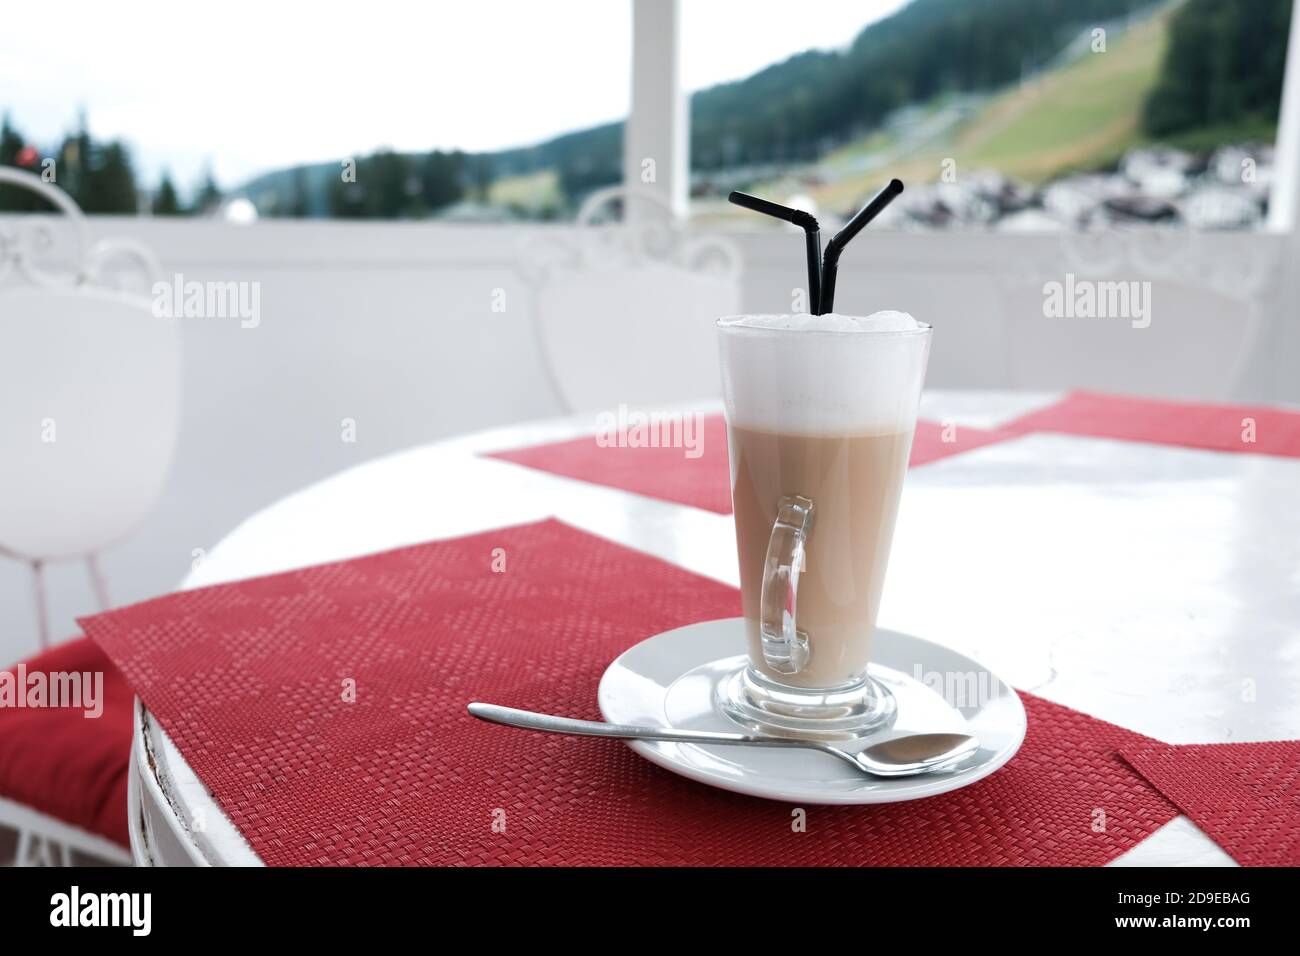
[{"x": 1143, "y": 584}]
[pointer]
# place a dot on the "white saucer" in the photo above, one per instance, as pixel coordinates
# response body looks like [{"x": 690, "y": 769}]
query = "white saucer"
[{"x": 670, "y": 679}]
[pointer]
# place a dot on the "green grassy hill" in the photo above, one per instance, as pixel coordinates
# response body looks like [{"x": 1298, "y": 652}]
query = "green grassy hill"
[{"x": 1082, "y": 114}]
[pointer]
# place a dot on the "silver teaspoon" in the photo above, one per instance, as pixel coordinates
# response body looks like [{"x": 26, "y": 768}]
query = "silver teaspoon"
[{"x": 900, "y": 757}]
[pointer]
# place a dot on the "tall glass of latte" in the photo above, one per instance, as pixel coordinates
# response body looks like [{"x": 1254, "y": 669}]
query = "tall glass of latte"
[{"x": 820, "y": 415}]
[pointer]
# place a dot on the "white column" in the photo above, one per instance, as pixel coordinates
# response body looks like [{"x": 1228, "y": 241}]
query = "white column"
[
  {"x": 656, "y": 157},
  {"x": 1284, "y": 203}
]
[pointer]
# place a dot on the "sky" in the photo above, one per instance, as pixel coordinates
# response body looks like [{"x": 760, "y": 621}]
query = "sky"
[{"x": 244, "y": 87}]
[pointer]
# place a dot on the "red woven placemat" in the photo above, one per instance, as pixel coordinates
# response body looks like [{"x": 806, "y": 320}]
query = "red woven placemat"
[
  {"x": 703, "y": 481},
  {"x": 1257, "y": 429},
  {"x": 251, "y": 680},
  {"x": 1246, "y": 797},
  {"x": 934, "y": 441},
  {"x": 663, "y": 473}
]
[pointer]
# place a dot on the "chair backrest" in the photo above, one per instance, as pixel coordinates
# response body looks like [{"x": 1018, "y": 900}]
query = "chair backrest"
[
  {"x": 1203, "y": 328},
  {"x": 89, "y": 386},
  {"x": 625, "y": 313}
]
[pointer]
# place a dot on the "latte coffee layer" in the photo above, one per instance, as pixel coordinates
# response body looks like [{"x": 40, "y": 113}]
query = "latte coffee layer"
[{"x": 854, "y": 479}]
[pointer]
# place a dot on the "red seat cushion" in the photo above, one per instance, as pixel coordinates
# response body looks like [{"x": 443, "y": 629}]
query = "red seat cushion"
[{"x": 62, "y": 763}]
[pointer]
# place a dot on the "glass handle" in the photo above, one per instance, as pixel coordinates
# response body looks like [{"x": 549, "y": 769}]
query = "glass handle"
[{"x": 785, "y": 647}]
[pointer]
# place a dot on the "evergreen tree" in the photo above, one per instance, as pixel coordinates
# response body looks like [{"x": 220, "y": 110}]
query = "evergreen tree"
[
  {"x": 392, "y": 191},
  {"x": 16, "y": 198},
  {"x": 346, "y": 197},
  {"x": 165, "y": 200},
  {"x": 108, "y": 183},
  {"x": 1223, "y": 66},
  {"x": 73, "y": 162},
  {"x": 299, "y": 205},
  {"x": 209, "y": 194},
  {"x": 441, "y": 177},
  {"x": 389, "y": 185},
  {"x": 98, "y": 177},
  {"x": 481, "y": 175},
  {"x": 11, "y": 142}
]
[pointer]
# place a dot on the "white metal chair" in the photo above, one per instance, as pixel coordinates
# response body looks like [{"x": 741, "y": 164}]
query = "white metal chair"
[
  {"x": 625, "y": 312},
  {"x": 1191, "y": 348},
  {"x": 89, "y": 413},
  {"x": 89, "y": 387}
]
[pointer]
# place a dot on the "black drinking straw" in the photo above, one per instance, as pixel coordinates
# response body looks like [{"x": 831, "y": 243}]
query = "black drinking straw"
[
  {"x": 812, "y": 238},
  {"x": 831, "y": 261}
]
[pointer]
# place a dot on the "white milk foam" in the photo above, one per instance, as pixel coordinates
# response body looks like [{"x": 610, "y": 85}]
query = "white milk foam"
[
  {"x": 830, "y": 322},
  {"x": 776, "y": 379}
]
